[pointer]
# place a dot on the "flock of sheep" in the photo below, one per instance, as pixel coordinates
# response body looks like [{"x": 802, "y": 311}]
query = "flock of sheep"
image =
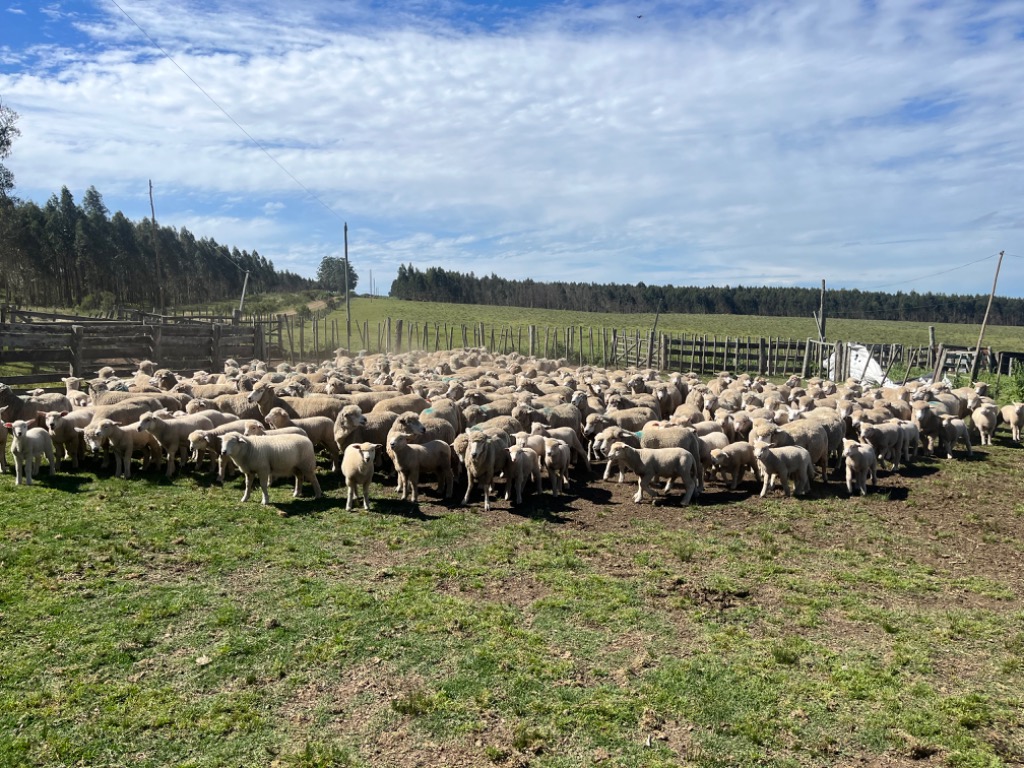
[{"x": 476, "y": 418}]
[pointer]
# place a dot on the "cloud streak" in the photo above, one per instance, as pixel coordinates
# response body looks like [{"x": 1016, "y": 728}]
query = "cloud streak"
[{"x": 777, "y": 142}]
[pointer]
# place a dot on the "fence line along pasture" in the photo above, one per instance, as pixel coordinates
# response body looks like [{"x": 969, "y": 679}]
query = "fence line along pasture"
[{"x": 63, "y": 344}]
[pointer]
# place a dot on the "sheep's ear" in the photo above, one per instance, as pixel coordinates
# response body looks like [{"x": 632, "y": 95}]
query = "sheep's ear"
[{"x": 8, "y": 425}]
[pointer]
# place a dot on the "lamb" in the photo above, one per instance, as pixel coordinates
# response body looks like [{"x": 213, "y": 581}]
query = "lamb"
[
  {"x": 124, "y": 441},
  {"x": 419, "y": 428},
  {"x": 812, "y": 435},
  {"x": 930, "y": 426},
  {"x": 1013, "y": 415},
  {"x": 411, "y": 459},
  {"x": 886, "y": 439},
  {"x": 556, "y": 461},
  {"x": 784, "y": 462},
  {"x": 78, "y": 398},
  {"x": 237, "y": 405},
  {"x": 29, "y": 445},
  {"x": 676, "y": 437},
  {"x": 443, "y": 408},
  {"x": 357, "y": 467},
  {"x": 201, "y": 441},
  {"x": 861, "y": 462},
  {"x": 173, "y": 433},
  {"x": 567, "y": 435},
  {"x": 319, "y": 429},
  {"x": 985, "y": 418},
  {"x": 523, "y": 463},
  {"x": 956, "y": 432},
  {"x": 603, "y": 442},
  {"x": 565, "y": 415},
  {"x": 653, "y": 463},
  {"x": 272, "y": 456},
  {"x": 485, "y": 458},
  {"x": 66, "y": 431},
  {"x": 709, "y": 443},
  {"x": 732, "y": 462},
  {"x": 631, "y": 419}
]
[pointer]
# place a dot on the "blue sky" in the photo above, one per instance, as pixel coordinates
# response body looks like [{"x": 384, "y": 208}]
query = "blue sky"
[{"x": 875, "y": 144}]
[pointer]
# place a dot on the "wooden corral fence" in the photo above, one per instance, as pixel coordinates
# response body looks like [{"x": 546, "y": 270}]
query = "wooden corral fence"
[
  {"x": 77, "y": 345},
  {"x": 48, "y": 351}
]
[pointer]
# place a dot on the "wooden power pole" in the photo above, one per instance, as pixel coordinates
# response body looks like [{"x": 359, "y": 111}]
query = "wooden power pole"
[
  {"x": 348, "y": 305},
  {"x": 156, "y": 251},
  {"x": 984, "y": 322}
]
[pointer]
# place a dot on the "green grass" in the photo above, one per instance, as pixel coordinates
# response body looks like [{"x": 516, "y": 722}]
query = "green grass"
[{"x": 150, "y": 623}]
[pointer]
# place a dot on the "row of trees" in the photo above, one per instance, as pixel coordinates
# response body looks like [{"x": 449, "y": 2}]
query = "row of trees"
[
  {"x": 68, "y": 254},
  {"x": 435, "y": 284},
  {"x": 78, "y": 255}
]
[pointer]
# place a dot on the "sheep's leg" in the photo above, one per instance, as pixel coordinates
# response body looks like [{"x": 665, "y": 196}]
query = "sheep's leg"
[
  {"x": 767, "y": 483},
  {"x": 53, "y": 464},
  {"x": 312, "y": 479},
  {"x": 689, "y": 486},
  {"x": 849, "y": 480},
  {"x": 264, "y": 485},
  {"x": 469, "y": 486},
  {"x": 297, "y": 473},
  {"x": 248, "y": 486},
  {"x": 412, "y": 481}
]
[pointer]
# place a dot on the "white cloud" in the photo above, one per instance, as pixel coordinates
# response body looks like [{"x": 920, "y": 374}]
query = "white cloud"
[{"x": 575, "y": 144}]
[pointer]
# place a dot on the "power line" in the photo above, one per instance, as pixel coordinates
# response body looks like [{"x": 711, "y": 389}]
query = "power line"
[
  {"x": 227, "y": 114},
  {"x": 936, "y": 274}
]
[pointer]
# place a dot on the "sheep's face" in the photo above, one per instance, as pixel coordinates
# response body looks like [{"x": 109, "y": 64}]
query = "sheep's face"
[
  {"x": 231, "y": 444},
  {"x": 368, "y": 452},
  {"x": 17, "y": 428},
  {"x": 397, "y": 442},
  {"x": 93, "y": 440}
]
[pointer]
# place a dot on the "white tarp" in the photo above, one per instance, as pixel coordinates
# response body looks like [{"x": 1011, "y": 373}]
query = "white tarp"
[{"x": 863, "y": 367}]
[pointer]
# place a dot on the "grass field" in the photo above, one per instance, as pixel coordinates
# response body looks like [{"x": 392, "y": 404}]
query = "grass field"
[
  {"x": 866, "y": 331},
  {"x": 155, "y": 623}
]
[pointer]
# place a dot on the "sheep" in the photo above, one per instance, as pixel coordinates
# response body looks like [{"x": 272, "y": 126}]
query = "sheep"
[
  {"x": 886, "y": 439},
  {"x": 353, "y": 426},
  {"x": 66, "y": 431},
  {"x": 784, "y": 462},
  {"x": 419, "y": 428},
  {"x": 485, "y": 458},
  {"x": 3, "y": 447},
  {"x": 264, "y": 397},
  {"x": 201, "y": 441},
  {"x": 603, "y": 443},
  {"x": 173, "y": 433},
  {"x": 78, "y": 398},
  {"x": 985, "y": 418},
  {"x": 357, "y": 467},
  {"x": 631, "y": 419},
  {"x": 707, "y": 444},
  {"x": 124, "y": 441},
  {"x": 654, "y": 463},
  {"x": 861, "y": 462},
  {"x": 676, "y": 437},
  {"x": 29, "y": 445},
  {"x": 319, "y": 429},
  {"x": 956, "y": 432},
  {"x": 556, "y": 461},
  {"x": 1013, "y": 415},
  {"x": 732, "y": 462},
  {"x": 567, "y": 435},
  {"x": 401, "y": 403},
  {"x": 269, "y": 456},
  {"x": 565, "y": 415},
  {"x": 930, "y": 426},
  {"x": 29, "y": 407},
  {"x": 523, "y": 463},
  {"x": 411, "y": 459},
  {"x": 812, "y": 435},
  {"x": 236, "y": 404}
]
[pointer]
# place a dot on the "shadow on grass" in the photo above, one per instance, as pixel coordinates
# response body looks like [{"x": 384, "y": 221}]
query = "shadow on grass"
[{"x": 64, "y": 481}]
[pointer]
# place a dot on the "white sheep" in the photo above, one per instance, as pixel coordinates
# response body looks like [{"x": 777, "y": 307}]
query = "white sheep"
[
  {"x": 28, "y": 446},
  {"x": 887, "y": 440},
  {"x": 269, "y": 456},
  {"x": 486, "y": 457},
  {"x": 173, "y": 433},
  {"x": 654, "y": 463},
  {"x": 319, "y": 429},
  {"x": 357, "y": 467},
  {"x": 784, "y": 462},
  {"x": 124, "y": 441},
  {"x": 556, "y": 460},
  {"x": 1013, "y": 415},
  {"x": 732, "y": 462},
  {"x": 861, "y": 462},
  {"x": 411, "y": 459},
  {"x": 202, "y": 442},
  {"x": 524, "y": 463},
  {"x": 66, "y": 432},
  {"x": 985, "y": 418},
  {"x": 956, "y": 432}
]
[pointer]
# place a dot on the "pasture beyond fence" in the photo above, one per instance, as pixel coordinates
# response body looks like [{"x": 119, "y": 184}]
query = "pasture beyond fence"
[{"x": 52, "y": 345}]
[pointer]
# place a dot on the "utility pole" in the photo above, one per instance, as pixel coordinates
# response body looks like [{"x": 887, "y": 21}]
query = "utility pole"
[
  {"x": 348, "y": 305},
  {"x": 984, "y": 322},
  {"x": 156, "y": 251}
]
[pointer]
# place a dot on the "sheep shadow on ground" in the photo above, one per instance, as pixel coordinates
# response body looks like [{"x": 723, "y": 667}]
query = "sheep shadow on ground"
[
  {"x": 71, "y": 483},
  {"x": 400, "y": 508}
]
